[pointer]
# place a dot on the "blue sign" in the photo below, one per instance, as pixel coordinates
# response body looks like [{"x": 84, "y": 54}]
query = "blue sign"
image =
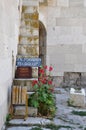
[{"x": 30, "y": 62}]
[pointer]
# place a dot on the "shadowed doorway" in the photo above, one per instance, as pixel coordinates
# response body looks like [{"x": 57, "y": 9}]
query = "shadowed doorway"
[{"x": 42, "y": 43}]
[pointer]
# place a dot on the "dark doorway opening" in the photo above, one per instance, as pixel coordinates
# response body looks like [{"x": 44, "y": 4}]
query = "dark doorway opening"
[{"x": 42, "y": 43}]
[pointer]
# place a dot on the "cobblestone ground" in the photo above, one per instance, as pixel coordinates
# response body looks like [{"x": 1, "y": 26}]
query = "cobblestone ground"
[{"x": 64, "y": 117}]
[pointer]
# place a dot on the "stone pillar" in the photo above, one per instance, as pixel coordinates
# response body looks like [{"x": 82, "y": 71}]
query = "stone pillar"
[{"x": 29, "y": 32}]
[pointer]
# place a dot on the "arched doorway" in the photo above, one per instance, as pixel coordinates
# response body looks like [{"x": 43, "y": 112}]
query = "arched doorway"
[{"x": 42, "y": 43}]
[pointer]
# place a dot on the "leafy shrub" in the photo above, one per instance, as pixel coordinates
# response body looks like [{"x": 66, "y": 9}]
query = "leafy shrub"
[{"x": 43, "y": 98}]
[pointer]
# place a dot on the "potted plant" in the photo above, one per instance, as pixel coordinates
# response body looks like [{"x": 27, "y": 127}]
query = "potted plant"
[{"x": 43, "y": 98}]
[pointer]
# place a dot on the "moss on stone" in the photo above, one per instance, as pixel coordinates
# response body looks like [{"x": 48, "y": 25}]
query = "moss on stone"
[
  {"x": 80, "y": 113},
  {"x": 32, "y": 50},
  {"x": 24, "y": 8},
  {"x": 27, "y": 16},
  {"x": 35, "y": 24},
  {"x": 34, "y": 16},
  {"x": 20, "y": 37},
  {"x": 27, "y": 23}
]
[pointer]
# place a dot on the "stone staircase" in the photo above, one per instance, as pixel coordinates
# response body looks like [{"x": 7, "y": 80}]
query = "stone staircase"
[{"x": 28, "y": 61}]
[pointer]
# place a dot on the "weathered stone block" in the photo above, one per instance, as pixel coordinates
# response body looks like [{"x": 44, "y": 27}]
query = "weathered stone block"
[
  {"x": 72, "y": 78},
  {"x": 30, "y": 50},
  {"x": 29, "y": 40},
  {"x": 24, "y": 8},
  {"x": 31, "y": 9},
  {"x": 83, "y": 78},
  {"x": 20, "y": 110},
  {"x": 57, "y": 81},
  {"x": 77, "y": 97},
  {"x": 30, "y": 3},
  {"x": 35, "y": 24},
  {"x": 29, "y": 32},
  {"x": 31, "y": 16},
  {"x": 32, "y": 32},
  {"x": 51, "y": 2}
]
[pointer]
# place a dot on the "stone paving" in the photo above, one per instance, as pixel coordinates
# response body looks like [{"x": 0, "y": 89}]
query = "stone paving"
[
  {"x": 64, "y": 114},
  {"x": 63, "y": 118}
]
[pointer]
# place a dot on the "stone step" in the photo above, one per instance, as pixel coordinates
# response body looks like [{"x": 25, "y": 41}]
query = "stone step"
[
  {"x": 30, "y": 50},
  {"x": 20, "y": 111},
  {"x": 30, "y": 16},
  {"x": 29, "y": 32},
  {"x": 25, "y": 128},
  {"x": 30, "y": 2},
  {"x": 28, "y": 40},
  {"x": 30, "y": 23},
  {"x": 29, "y": 9},
  {"x": 30, "y": 121}
]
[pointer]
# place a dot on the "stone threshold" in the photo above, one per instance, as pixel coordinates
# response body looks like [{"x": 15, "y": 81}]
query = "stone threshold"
[{"x": 30, "y": 121}]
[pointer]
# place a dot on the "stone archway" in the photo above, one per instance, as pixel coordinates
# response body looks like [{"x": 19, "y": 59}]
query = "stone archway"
[{"x": 42, "y": 43}]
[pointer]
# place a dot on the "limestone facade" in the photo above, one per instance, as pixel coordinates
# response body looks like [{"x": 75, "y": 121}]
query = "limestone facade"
[
  {"x": 65, "y": 22},
  {"x": 9, "y": 26}
]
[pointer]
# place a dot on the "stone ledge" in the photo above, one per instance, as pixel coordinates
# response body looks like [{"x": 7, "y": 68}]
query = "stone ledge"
[
  {"x": 23, "y": 128},
  {"x": 30, "y": 121},
  {"x": 20, "y": 111}
]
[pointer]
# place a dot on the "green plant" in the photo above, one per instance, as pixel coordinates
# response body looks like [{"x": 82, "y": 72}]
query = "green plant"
[
  {"x": 8, "y": 117},
  {"x": 57, "y": 127},
  {"x": 70, "y": 102},
  {"x": 36, "y": 128},
  {"x": 43, "y": 98},
  {"x": 80, "y": 113}
]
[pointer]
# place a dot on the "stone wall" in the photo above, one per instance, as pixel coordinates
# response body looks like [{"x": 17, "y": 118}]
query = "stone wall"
[
  {"x": 66, "y": 35},
  {"x": 9, "y": 25}
]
